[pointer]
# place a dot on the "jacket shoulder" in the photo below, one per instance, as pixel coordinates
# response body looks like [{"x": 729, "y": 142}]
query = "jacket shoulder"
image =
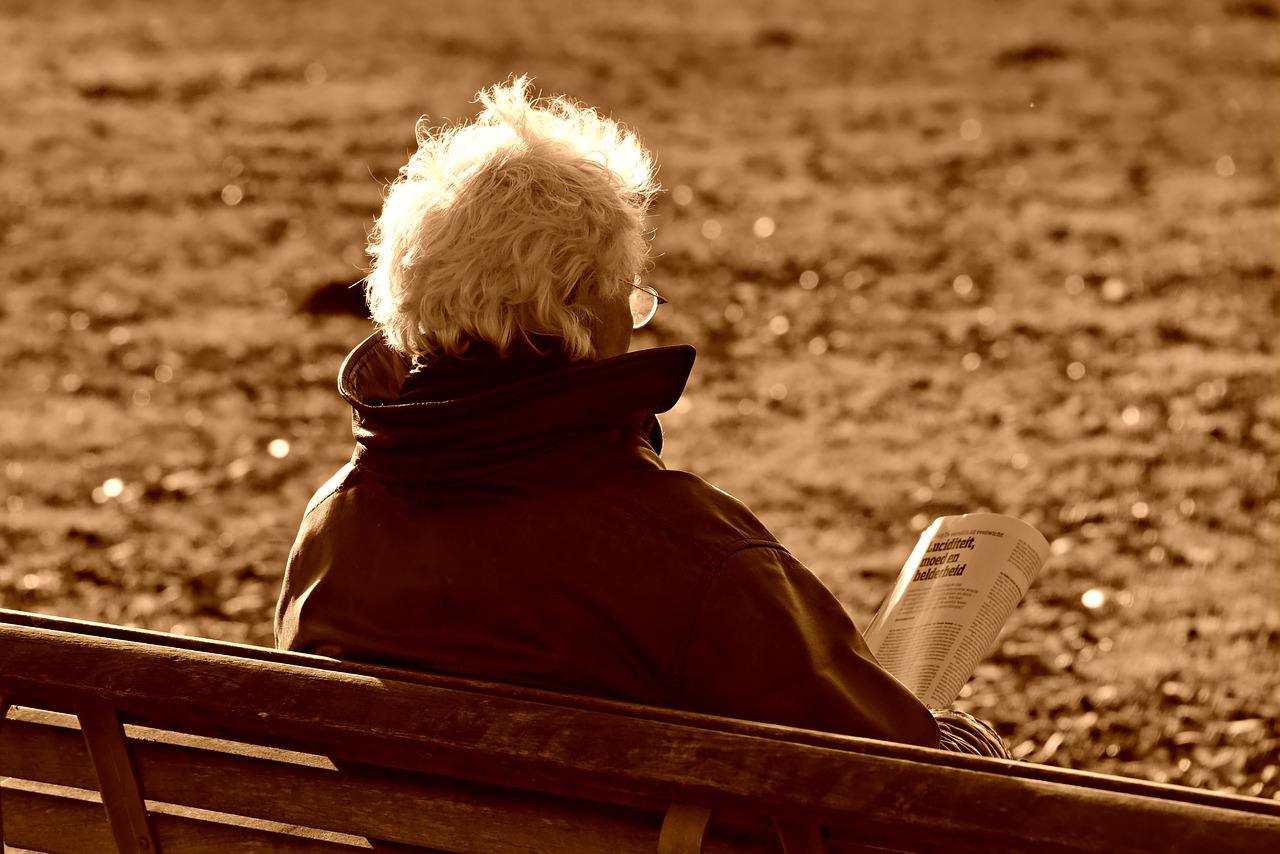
[{"x": 332, "y": 486}]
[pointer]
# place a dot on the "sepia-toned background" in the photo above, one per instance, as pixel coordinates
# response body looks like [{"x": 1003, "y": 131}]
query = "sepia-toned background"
[{"x": 936, "y": 257}]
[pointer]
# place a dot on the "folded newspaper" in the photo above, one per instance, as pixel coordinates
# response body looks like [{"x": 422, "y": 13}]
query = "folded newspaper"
[{"x": 953, "y": 596}]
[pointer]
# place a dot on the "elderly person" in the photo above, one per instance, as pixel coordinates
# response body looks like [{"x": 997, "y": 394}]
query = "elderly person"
[{"x": 506, "y": 514}]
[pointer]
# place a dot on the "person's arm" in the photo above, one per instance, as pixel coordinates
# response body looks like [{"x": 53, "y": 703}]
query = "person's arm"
[{"x": 772, "y": 644}]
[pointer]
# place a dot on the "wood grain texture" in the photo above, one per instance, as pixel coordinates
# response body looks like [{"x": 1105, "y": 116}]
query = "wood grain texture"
[
  {"x": 800, "y": 837},
  {"x": 117, "y": 778},
  {"x": 1021, "y": 770},
  {"x": 5, "y": 703},
  {"x": 393, "y": 806},
  {"x": 863, "y": 792},
  {"x": 683, "y": 829},
  {"x": 64, "y": 824}
]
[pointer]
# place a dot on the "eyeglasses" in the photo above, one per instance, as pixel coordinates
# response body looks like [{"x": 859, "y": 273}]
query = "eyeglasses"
[{"x": 644, "y": 303}]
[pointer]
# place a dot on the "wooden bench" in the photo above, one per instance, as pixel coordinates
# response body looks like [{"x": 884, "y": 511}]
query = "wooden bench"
[{"x": 198, "y": 746}]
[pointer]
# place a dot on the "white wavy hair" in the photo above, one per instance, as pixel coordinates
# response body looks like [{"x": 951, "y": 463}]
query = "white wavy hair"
[{"x": 507, "y": 229}]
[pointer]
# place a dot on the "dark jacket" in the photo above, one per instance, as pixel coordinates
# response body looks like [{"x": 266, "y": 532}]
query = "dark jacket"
[{"x": 528, "y": 532}]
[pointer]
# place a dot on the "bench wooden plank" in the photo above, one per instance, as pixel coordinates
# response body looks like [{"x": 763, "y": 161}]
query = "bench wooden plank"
[
  {"x": 864, "y": 792},
  {"x": 799, "y": 837},
  {"x": 683, "y": 829},
  {"x": 1021, "y": 770},
  {"x": 5, "y": 703},
  {"x": 75, "y": 823},
  {"x": 117, "y": 778},
  {"x": 439, "y": 813},
  {"x": 493, "y": 739}
]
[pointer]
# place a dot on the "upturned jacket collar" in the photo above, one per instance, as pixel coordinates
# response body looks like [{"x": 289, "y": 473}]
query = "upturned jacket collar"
[{"x": 474, "y": 434}]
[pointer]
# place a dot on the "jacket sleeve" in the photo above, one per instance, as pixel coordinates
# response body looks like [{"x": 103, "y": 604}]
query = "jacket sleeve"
[{"x": 772, "y": 644}]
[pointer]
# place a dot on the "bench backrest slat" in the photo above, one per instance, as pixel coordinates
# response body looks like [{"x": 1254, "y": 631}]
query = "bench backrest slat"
[
  {"x": 423, "y": 810},
  {"x": 1026, "y": 771},
  {"x": 862, "y": 791},
  {"x": 74, "y": 823}
]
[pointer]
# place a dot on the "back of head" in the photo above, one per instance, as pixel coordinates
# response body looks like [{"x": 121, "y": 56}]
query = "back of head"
[{"x": 508, "y": 229}]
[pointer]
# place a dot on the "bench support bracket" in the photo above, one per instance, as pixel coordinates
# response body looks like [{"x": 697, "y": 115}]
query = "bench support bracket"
[
  {"x": 117, "y": 779},
  {"x": 683, "y": 829}
]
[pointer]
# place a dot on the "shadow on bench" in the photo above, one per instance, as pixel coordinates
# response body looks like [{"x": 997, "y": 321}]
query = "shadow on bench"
[{"x": 199, "y": 746}]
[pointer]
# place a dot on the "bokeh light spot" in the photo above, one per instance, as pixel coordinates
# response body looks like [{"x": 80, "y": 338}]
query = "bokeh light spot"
[
  {"x": 963, "y": 285},
  {"x": 278, "y": 448},
  {"x": 315, "y": 74},
  {"x": 764, "y": 227},
  {"x": 970, "y": 129},
  {"x": 1075, "y": 371},
  {"x": 808, "y": 280},
  {"x": 711, "y": 229},
  {"x": 1074, "y": 285},
  {"x": 681, "y": 195},
  {"x": 232, "y": 195},
  {"x": 1114, "y": 290},
  {"x": 1226, "y": 167},
  {"x": 780, "y": 324},
  {"x": 1093, "y": 599}
]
